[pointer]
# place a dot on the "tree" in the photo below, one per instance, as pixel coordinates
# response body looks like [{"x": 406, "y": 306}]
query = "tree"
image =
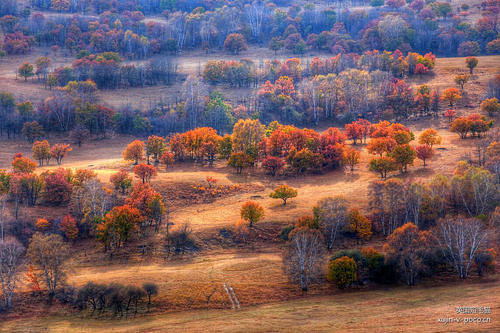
[
  {"x": 450, "y": 114},
  {"x": 59, "y": 151},
  {"x": 461, "y": 126},
  {"x": 151, "y": 289},
  {"x": 251, "y": 212},
  {"x": 451, "y": 95},
  {"x": 273, "y": 164},
  {"x": 235, "y": 43},
  {"x": 49, "y": 254},
  {"x": 351, "y": 157},
  {"x": 407, "y": 246},
  {"x": 461, "y": 80},
  {"x": 155, "y": 146},
  {"x": 68, "y": 227},
  {"x": 57, "y": 187},
  {"x": 276, "y": 44},
  {"x": 471, "y": 63},
  {"x": 491, "y": 106},
  {"x": 283, "y": 192},
  {"x": 381, "y": 145},
  {"x": 403, "y": 155},
  {"x": 134, "y": 151},
  {"x": 26, "y": 70},
  {"x": 247, "y": 134},
  {"x": 383, "y": 165},
  {"x": 461, "y": 240},
  {"x": 10, "y": 261},
  {"x": 429, "y": 137},
  {"x": 167, "y": 158},
  {"x": 303, "y": 258},
  {"x": 121, "y": 180},
  {"x": 118, "y": 225},
  {"x": 424, "y": 152},
  {"x": 145, "y": 172},
  {"x": 41, "y": 151},
  {"x": 239, "y": 160},
  {"x": 32, "y": 131},
  {"x": 23, "y": 165},
  {"x": 342, "y": 271},
  {"x": 359, "y": 224},
  {"x": 332, "y": 214},
  {"x": 79, "y": 134}
]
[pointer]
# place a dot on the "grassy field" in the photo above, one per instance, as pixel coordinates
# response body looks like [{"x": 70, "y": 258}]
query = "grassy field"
[{"x": 400, "y": 309}]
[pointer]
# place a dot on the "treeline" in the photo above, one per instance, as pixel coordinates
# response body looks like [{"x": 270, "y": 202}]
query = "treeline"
[
  {"x": 243, "y": 72},
  {"x": 417, "y": 27}
]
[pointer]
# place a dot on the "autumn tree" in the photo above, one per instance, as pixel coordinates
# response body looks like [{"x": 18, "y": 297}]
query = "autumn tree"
[
  {"x": 10, "y": 262},
  {"x": 471, "y": 63},
  {"x": 342, "y": 271},
  {"x": 118, "y": 225},
  {"x": 283, "y": 192},
  {"x": 461, "y": 240},
  {"x": 351, "y": 157},
  {"x": 32, "y": 131},
  {"x": 23, "y": 165},
  {"x": 251, "y": 212},
  {"x": 41, "y": 151},
  {"x": 167, "y": 158},
  {"x": 57, "y": 187},
  {"x": 235, "y": 43},
  {"x": 381, "y": 145},
  {"x": 429, "y": 137},
  {"x": 49, "y": 254},
  {"x": 273, "y": 164},
  {"x": 354, "y": 132},
  {"x": 240, "y": 160},
  {"x": 461, "y": 80},
  {"x": 155, "y": 146},
  {"x": 247, "y": 134},
  {"x": 383, "y": 165},
  {"x": 424, "y": 152},
  {"x": 26, "y": 70},
  {"x": 134, "y": 151},
  {"x": 359, "y": 224},
  {"x": 491, "y": 106},
  {"x": 59, "y": 151},
  {"x": 450, "y": 114},
  {"x": 145, "y": 172},
  {"x": 451, "y": 95},
  {"x": 276, "y": 44},
  {"x": 407, "y": 246},
  {"x": 332, "y": 214},
  {"x": 403, "y": 155},
  {"x": 303, "y": 258},
  {"x": 68, "y": 227},
  {"x": 121, "y": 180}
]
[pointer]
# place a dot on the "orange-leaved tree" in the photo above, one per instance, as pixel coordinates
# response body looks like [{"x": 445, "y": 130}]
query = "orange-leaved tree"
[
  {"x": 134, "y": 151},
  {"x": 251, "y": 212}
]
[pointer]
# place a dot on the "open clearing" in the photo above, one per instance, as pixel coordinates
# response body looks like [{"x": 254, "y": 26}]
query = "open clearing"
[{"x": 389, "y": 310}]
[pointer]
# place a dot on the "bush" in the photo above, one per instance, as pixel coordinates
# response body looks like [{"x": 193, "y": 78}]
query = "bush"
[
  {"x": 181, "y": 241},
  {"x": 342, "y": 271},
  {"x": 285, "y": 232}
]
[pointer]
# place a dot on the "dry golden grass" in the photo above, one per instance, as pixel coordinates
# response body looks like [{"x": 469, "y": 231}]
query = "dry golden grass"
[{"x": 399, "y": 309}]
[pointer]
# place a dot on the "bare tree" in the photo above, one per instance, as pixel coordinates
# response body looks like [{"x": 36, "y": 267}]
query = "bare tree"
[
  {"x": 413, "y": 197},
  {"x": 332, "y": 213},
  {"x": 460, "y": 239},
  {"x": 304, "y": 257},
  {"x": 49, "y": 253},
  {"x": 10, "y": 260}
]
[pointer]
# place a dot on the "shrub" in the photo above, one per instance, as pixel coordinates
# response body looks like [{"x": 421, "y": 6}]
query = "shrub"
[{"x": 342, "y": 271}]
